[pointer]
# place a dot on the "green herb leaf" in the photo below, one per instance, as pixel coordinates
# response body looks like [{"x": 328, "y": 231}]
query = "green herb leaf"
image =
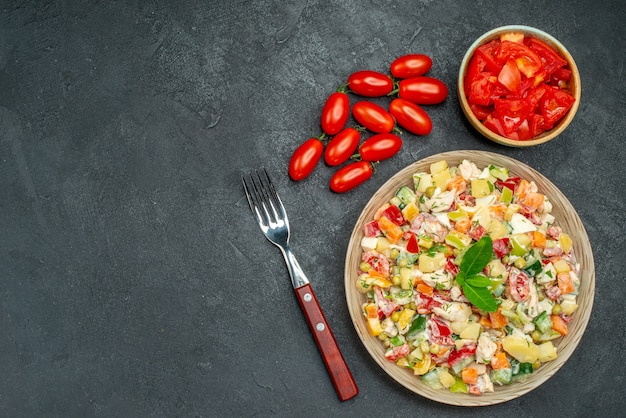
[
  {"x": 460, "y": 278},
  {"x": 473, "y": 283},
  {"x": 477, "y": 256},
  {"x": 478, "y": 280},
  {"x": 480, "y": 297}
]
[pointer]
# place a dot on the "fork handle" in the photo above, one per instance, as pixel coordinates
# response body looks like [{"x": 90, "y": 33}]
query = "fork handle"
[{"x": 333, "y": 359}]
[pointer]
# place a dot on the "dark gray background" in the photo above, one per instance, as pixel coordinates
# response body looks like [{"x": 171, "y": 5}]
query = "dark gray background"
[{"x": 133, "y": 279}]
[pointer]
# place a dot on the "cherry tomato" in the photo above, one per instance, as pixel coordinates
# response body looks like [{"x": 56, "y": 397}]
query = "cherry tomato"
[
  {"x": 342, "y": 146},
  {"x": 411, "y": 116},
  {"x": 335, "y": 113},
  {"x": 350, "y": 176},
  {"x": 411, "y": 65},
  {"x": 380, "y": 147},
  {"x": 305, "y": 158},
  {"x": 373, "y": 117},
  {"x": 423, "y": 90},
  {"x": 370, "y": 83}
]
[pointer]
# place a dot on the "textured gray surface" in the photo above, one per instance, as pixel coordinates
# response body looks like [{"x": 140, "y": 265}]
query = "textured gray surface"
[{"x": 133, "y": 280}]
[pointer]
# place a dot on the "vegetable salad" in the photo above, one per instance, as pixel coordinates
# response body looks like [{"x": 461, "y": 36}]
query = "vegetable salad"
[{"x": 467, "y": 278}]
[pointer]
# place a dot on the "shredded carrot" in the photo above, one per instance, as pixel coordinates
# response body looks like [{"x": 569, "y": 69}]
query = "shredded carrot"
[
  {"x": 565, "y": 282},
  {"x": 497, "y": 319},
  {"x": 469, "y": 375},
  {"x": 463, "y": 225},
  {"x": 558, "y": 324}
]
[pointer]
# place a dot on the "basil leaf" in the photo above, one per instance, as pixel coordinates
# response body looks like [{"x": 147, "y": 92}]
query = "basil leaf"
[
  {"x": 480, "y": 297},
  {"x": 460, "y": 277},
  {"x": 478, "y": 280},
  {"x": 477, "y": 256}
]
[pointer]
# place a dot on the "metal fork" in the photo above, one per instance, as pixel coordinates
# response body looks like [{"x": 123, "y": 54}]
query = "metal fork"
[{"x": 271, "y": 216}]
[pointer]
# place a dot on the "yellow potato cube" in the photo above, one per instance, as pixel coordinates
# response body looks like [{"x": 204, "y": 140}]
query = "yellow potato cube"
[
  {"x": 438, "y": 167},
  {"x": 480, "y": 187},
  {"x": 520, "y": 349},
  {"x": 471, "y": 331},
  {"x": 422, "y": 181},
  {"x": 428, "y": 264},
  {"x": 566, "y": 242},
  {"x": 547, "y": 352},
  {"x": 445, "y": 378},
  {"x": 561, "y": 266},
  {"x": 406, "y": 278},
  {"x": 441, "y": 179},
  {"x": 496, "y": 229}
]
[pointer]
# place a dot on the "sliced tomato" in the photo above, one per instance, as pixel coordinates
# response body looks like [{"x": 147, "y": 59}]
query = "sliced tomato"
[
  {"x": 554, "y": 104},
  {"x": 523, "y": 131},
  {"x": 481, "y": 90},
  {"x": 517, "y": 37},
  {"x": 481, "y": 112},
  {"x": 534, "y": 95},
  {"x": 494, "y": 125},
  {"x": 474, "y": 68},
  {"x": 488, "y": 54},
  {"x": 527, "y": 60},
  {"x": 511, "y": 113},
  {"x": 560, "y": 77},
  {"x": 551, "y": 59},
  {"x": 510, "y": 76},
  {"x": 536, "y": 124},
  {"x": 518, "y": 86}
]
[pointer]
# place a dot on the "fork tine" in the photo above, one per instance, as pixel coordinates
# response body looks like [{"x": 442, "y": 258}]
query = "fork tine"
[
  {"x": 253, "y": 197},
  {"x": 277, "y": 205}
]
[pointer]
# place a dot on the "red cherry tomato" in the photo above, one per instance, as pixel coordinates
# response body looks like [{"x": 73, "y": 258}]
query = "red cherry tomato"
[
  {"x": 411, "y": 65},
  {"x": 342, "y": 146},
  {"x": 370, "y": 83},
  {"x": 305, "y": 158},
  {"x": 350, "y": 176},
  {"x": 423, "y": 90},
  {"x": 411, "y": 117},
  {"x": 335, "y": 113},
  {"x": 373, "y": 117},
  {"x": 380, "y": 147}
]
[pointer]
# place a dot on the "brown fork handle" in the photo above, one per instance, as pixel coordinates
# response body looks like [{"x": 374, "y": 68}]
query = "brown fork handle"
[{"x": 333, "y": 359}]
